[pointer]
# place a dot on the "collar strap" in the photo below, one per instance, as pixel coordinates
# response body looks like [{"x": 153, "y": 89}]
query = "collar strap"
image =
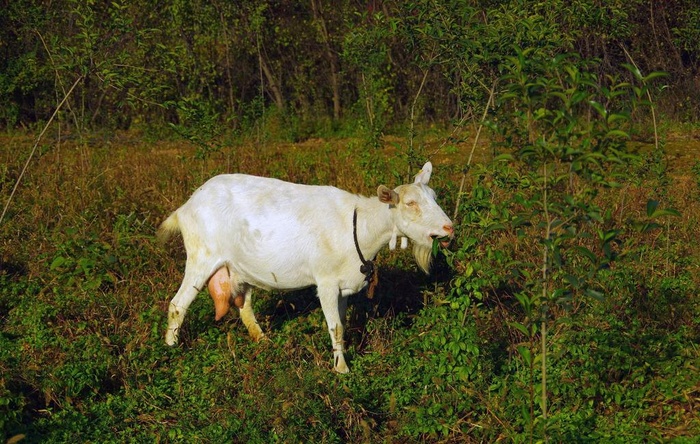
[{"x": 367, "y": 267}]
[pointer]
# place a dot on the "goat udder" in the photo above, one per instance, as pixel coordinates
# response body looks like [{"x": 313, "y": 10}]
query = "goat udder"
[{"x": 220, "y": 291}]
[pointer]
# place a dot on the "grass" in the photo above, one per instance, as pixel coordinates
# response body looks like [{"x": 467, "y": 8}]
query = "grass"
[{"x": 84, "y": 290}]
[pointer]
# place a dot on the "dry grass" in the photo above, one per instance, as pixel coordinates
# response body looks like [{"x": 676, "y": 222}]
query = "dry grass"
[{"x": 86, "y": 185}]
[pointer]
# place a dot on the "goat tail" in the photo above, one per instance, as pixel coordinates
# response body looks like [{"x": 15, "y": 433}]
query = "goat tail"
[{"x": 168, "y": 228}]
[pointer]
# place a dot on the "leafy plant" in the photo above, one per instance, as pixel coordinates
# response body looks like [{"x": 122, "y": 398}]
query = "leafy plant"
[
  {"x": 200, "y": 124},
  {"x": 367, "y": 50},
  {"x": 87, "y": 264},
  {"x": 568, "y": 132}
]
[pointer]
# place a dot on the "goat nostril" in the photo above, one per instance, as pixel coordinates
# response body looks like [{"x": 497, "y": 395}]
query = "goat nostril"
[{"x": 448, "y": 228}]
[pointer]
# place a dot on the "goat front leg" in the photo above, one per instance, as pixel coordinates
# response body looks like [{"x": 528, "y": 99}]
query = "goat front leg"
[{"x": 330, "y": 303}]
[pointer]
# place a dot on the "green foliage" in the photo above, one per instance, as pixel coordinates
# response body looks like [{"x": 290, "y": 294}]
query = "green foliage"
[
  {"x": 381, "y": 65},
  {"x": 571, "y": 145},
  {"x": 564, "y": 134},
  {"x": 84, "y": 263},
  {"x": 435, "y": 375},
  {"x": 367, "y": 50},
  {"x": 199, "y": 124}
]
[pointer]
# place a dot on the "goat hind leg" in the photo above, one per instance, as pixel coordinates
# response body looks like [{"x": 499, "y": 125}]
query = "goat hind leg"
[
  {"x": 179, "y": 304},
  {"x": 247, "y": 315}
]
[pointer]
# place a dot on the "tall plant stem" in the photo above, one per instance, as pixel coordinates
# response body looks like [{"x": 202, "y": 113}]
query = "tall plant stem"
[
  {"x": 471, "y": 153},
  {"x": 544, "y": 372},
  {"x": 545, "y": 276},
  {"x": 59, "y": 81},
  {"x": 262, "y": 84},
  {"x": 36, "y": 144},
  {"x": 651, "y": 103},
  {"x": 412, "y": 131},
  {"x": 368, "y": 101}
]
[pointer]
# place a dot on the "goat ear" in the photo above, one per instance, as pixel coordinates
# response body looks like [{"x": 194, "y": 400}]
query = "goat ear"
[
  {"x": 424, "y": 175},
  {"x": 387, "y": 195}
]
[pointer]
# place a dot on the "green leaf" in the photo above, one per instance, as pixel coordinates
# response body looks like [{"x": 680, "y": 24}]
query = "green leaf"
[
  {"x": 520, "y": 327},
  {"x": 583, "y": 251},
  {"x": 493, "y": 227},
  {"x": 595, "y": 294},
  {"x": 600, "y": 108},
  {"x": 654, "y": 75},
  {"x": 665, "y": 212},
  {"x": 436, "y": 247},
  {"x": 607, "y": 236},
  {"x": 614, "y": 117},
  {"x": 525, "y": 353},
  {"x": 634, "y": 70},
  {"x": 504, "y": 158},
  {"x": 651, "y": 206},
  {"x": 572, "y": 280},
  {"x": 57, "y": 262},
  {"x": 617, "y": 134}
]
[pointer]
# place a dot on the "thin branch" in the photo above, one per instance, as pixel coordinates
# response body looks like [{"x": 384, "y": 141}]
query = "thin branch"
[
  {"x": 411, "y": 131},
  {"x": 59, "y": 79},
  {"x": 36, "y": 144},
  {"x": 411, "y": 135},
  {"x": 653, "y": 111},
  {"x": 476, "y": 141},
  {"x": 545, "y": 290}
]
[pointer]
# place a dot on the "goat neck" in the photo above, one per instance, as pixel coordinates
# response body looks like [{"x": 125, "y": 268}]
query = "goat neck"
[{"x": 375, "y": 226}]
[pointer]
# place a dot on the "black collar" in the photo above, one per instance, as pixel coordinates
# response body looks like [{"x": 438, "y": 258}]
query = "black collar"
[{"x": 367, "y": 267}]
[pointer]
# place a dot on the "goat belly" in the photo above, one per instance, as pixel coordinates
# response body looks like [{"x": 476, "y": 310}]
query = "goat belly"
[
  {"x": 275, "y": 278},
  {"x": 278, "y": 258}
]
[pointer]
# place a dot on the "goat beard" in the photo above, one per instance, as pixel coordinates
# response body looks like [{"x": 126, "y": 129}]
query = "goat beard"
[{"x": 424, "y": 256}]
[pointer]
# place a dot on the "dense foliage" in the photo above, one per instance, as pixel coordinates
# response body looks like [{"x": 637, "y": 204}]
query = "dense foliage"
[
  {"x": 313, "y": 66},
  {"x": 566, "y": 310}
]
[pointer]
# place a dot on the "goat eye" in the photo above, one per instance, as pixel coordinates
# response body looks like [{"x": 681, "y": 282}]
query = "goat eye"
[{"x": 411, "y": 203}]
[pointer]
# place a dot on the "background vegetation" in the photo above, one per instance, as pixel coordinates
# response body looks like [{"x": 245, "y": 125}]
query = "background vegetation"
[
  {"x": 565, "y": 140},
  {"x": 315, "y": 67}
]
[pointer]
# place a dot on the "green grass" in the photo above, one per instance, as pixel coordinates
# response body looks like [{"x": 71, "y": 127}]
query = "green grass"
[{"x": 84, "y": 290}]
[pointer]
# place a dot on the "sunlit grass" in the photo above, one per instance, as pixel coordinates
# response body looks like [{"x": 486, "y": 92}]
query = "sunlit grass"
[{"x": 85, "y": 289}]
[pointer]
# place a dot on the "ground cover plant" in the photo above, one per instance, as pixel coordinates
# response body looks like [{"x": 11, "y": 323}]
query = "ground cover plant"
[
  {"x": 566, "y": 308},
  {"x": 447, "y": 358}
]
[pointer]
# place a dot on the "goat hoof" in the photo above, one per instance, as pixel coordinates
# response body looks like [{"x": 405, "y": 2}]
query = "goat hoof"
[
  {"x": 171, "y": 337},
  {"x": 257, "y": 334},
  {"x": 340, "y": 365}
]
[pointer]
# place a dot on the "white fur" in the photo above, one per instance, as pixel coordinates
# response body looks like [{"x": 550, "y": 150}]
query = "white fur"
[{"x": 278, "y": 235}]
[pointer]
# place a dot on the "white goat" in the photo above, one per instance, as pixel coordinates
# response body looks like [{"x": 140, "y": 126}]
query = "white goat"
[{"x": 244, "y": 231}]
